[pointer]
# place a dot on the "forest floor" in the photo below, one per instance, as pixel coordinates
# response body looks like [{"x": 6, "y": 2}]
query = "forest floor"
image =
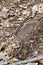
[{"x": 21, "y": 36}]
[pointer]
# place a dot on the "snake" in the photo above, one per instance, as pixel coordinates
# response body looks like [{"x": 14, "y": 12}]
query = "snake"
[{"x": 19, "y": 27}]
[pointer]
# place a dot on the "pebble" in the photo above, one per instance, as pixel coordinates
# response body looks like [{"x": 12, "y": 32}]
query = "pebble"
[
  {"x": 23, "y": 6},
  {"x": 24, "y": 12},
  {"x": 4, "y": 57},
  {"x": 35, "y": 53},
  {"x": 4, "y": 13},
  {"x": 12, "y": 60},
  {"x": 37, "y": 8},
  {"x": 20, "y": 19},
  {"x": 3, "y": 43},
  {"x": 6, "y": 23},
  {"x": 5, "y": 9},
  {"x": 11, "y": 13},
  {"x": 17, "y": 10},
  {"x": 7, "y": 33},
  {"x": 31, "y": 41},
  {"x": 3, "y": 63}
]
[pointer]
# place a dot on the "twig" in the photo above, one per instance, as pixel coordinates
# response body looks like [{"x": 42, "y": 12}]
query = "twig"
[{"x": 39, "y": 57}]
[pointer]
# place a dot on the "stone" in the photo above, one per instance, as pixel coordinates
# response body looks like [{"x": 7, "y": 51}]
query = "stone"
[
  {"x": 20, "y": 19},
  {"x": 3, "y": 63},
  {"x": 4, "y": 13},
  {"x": 37, "y": 8},
  {"x": 11, "y": 13},
  {"x": 12, "y": 60},
  {"x": 6, "y": 23}
]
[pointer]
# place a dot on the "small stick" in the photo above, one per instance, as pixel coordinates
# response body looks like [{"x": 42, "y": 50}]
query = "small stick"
[{"x": 39, "y": 57}]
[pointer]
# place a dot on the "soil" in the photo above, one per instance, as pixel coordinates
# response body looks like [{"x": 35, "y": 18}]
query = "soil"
[{"x": 28, "y": 42}]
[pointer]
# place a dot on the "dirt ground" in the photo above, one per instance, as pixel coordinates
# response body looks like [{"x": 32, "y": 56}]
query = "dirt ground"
[{"x": 21, "y": 37}]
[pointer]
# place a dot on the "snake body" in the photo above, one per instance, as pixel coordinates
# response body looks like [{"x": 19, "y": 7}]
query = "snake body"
[{"x": 19, "y": 27}]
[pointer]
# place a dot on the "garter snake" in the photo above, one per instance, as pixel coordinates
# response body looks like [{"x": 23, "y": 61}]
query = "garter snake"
[{"x": 19, "y": 27}]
